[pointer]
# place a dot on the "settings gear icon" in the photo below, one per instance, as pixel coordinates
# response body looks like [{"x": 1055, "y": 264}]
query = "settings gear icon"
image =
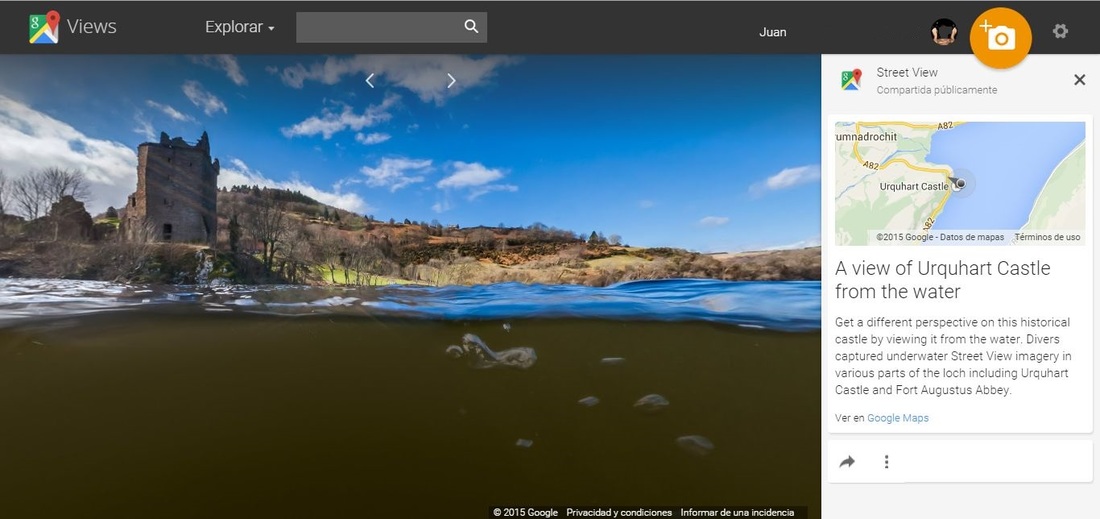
[{"x": 1060, "y": 31}]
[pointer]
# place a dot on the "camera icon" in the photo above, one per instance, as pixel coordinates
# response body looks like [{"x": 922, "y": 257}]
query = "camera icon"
[{"x": 1002, "y": 38}]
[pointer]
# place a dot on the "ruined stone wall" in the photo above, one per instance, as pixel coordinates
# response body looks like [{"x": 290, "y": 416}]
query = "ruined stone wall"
[{"x": 177, "y": 192}]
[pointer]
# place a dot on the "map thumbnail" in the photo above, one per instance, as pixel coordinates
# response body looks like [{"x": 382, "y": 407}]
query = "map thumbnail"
[{"x": 909, "y": 178}]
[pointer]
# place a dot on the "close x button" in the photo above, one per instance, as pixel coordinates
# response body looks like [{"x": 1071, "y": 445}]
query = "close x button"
[{"x": 1079, "y": 80}]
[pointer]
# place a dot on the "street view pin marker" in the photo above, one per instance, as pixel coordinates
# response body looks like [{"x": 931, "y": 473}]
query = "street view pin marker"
[
  {"x": 957, "y": 183},
  {"x": 52, "y": 19},
  {"x": 857, "y": 73}
]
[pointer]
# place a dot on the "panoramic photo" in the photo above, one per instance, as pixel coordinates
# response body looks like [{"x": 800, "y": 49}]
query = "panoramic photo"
[{"x": 340, "y": 284}]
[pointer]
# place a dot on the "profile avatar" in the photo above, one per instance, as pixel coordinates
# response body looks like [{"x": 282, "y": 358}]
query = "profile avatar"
[{"x": 944, "y": 32}]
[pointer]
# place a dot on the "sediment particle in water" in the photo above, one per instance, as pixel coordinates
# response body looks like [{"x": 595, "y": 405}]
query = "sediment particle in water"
[
  {"x": 588, "y": 401},
  {"x": 695, "y": 444},
  {"x": 454, "y": 351},
  {"x": 651, "y": 403},
  {"x": 507, "y": 327},
  {"x": 612, "y": 361},
  {"x": 524, "y": 442}
]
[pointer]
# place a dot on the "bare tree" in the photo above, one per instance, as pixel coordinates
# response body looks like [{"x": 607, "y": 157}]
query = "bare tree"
[
  {"x": 369, "y": 259},
  {"x": 331, "y": 251},
  {"x": 353, "y": 261},
  {"x": 59, "y": 182},
  {"x": 5, "y": 193},
  {"x": 481, "y": 236},
  {"x": 5, "y": 202},
  {"x": 615, "y": 240},
  {"x": 295, "y": 253},
  {"x": 462, "y": 271},
  {"x": 29, "y": 195},
  {"x": 356, "y": 257},
  {"x": 34, "y": 193},
  {"x": 436, "y": 271},
  {"x": 266, "y": 222},
  {"x": 538, "y": 231},
  {"x": 362, "y": 258}
]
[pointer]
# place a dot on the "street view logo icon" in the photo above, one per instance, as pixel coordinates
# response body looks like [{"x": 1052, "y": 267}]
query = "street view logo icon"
[
  {"x": 44, "y": 28},
  {"x": 849, "y": 79}
]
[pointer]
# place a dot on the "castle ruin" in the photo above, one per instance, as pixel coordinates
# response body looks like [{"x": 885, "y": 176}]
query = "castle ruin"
[{"x": 177, "y": 193}]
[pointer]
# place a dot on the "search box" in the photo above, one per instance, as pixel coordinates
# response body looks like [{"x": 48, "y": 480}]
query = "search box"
[{"x": 393, "y": 27}]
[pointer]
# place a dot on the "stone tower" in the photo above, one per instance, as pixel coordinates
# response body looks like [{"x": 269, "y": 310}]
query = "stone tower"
[{"x": 177, "y": 192}]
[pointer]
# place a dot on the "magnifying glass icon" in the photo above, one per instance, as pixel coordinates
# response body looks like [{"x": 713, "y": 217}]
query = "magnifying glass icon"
[{"x": 471, "y": 25}]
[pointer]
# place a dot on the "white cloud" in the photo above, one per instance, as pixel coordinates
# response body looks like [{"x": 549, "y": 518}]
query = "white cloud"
[
  {"x": 801, "y": 244},
  {"x": 238, "y": 173},
  {"x": 475, "y": 178},
  {"x": 413, "y": 127},
  {"x": 169, "y": 111},
  {"x": 272, "y": 69},
  {"x": 144, "y": 127},
  {"x": 201, "y": 98},
  {"x": 441, "y": 207},
  {"x": 426, "y": 76},
  {"x": 469, "y": 174},
  {"x": 31, "y": 140},
  {"x": 372, "y": 138},
  {"x": 396, "y": 172},
  {"x": 788, "y": 178},
  {"x": 477, "y": 192},
  {"x": 714, "y": 221},
  {"x": 225, "y": 63},
  {"x": 646, "y": 204},
  {"x": 813, "y": 241},
  {"x": 331, "y": 121}
]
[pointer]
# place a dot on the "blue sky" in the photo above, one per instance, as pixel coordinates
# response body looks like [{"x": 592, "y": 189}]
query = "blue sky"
[{"x": 710, "y": 153}]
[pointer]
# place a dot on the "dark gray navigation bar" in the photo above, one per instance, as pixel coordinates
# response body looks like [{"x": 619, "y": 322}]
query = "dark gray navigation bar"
[{"x": 290, "y": 27}]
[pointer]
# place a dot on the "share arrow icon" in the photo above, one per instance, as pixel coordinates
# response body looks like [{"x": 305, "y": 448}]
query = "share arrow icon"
[{"x": 847, "y": 461}]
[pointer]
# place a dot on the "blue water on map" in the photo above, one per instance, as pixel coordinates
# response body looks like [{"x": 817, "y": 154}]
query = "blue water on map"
[{"x": 1010, "y": 163}]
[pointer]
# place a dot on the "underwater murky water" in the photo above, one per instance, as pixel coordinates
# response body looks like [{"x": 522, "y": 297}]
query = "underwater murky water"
[{"x": 174, "y": 410}]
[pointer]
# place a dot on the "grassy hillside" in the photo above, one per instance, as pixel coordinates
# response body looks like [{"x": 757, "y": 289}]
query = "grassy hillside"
[{"x": 331, "y": 246}]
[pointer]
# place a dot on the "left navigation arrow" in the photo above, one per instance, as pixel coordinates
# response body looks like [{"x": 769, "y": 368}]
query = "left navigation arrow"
[{"x": 368, "y": 80}]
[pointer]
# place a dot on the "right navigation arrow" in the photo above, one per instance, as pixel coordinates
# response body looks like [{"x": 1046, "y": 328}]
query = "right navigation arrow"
[{"x": 452, "y": 80}]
